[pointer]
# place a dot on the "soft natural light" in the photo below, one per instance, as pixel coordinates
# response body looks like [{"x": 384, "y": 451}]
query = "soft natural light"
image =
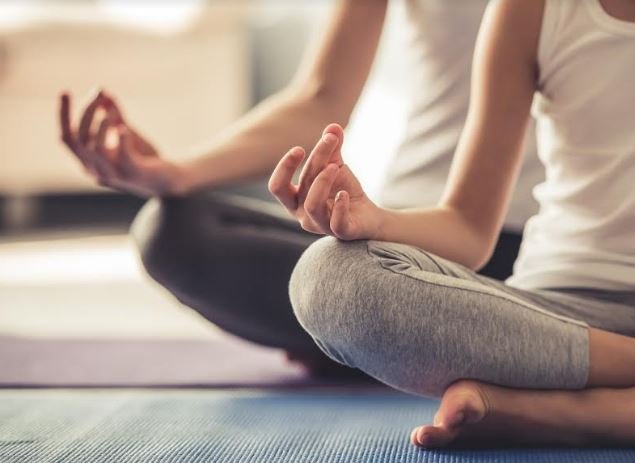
[
  {"x": 373, "y": 136},
  {"x": 379, "y": 121},
  {"x": 167, "y": 16},
  {"x": 81, "y": 260},
  {"x": 87, "y": 287}
]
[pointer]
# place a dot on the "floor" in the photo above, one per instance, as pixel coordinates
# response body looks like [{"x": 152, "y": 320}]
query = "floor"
[
  {"x": 76, "y": 309},
  {"x": 86, "y": 284},
  {"x": 89, "y": 285}
]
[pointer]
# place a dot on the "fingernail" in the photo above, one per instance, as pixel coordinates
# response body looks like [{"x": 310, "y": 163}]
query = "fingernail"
[{"x": 329, "y": 138}]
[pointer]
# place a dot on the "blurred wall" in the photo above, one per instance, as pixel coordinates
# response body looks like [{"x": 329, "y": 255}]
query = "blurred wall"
[
  {"x": 279, "y": 34},
  {"x": 177, "y": 84}
]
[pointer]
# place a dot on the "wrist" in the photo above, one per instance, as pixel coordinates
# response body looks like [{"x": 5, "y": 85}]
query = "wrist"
[
  {"x": 180, "y": 182},
  {"x": 383, "y": 218}
]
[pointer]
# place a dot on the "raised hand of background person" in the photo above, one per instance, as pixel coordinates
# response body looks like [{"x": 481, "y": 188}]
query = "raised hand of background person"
[
  {"x": 329, "y": 199},
  {"x": 115, "y": 154}
]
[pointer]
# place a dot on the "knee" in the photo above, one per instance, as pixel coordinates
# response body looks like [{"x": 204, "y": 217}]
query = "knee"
[
  {"x": 164, "y": 237},
  {"x": 326, "y": 294},
  {"x": 338, "y": 285},
  {"x": 365, "y": 307}
]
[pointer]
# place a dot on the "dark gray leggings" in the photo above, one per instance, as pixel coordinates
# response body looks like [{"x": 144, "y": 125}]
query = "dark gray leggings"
[{"x": 230, "y": 256}]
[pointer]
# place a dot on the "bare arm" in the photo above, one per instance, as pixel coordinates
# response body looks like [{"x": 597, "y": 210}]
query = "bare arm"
[
  {"x": 326, "y": 88},
  {"x": 465, "y": 226}
]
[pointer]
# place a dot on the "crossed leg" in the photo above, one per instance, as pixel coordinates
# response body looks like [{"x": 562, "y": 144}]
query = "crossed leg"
[
  {"x": 474, "y": 413},
  {"x": 511, "y": 366}
]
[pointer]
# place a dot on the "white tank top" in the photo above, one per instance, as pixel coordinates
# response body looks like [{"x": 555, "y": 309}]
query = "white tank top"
[
  {"x": 441, "y": 37},
  {"x": 584, "y": 233}
]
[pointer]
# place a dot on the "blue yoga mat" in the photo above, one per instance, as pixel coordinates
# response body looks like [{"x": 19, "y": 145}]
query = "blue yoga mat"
[{"x": 41, "y": 426}]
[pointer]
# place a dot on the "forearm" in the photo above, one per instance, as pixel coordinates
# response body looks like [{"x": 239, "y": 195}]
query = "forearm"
[
  {"x": 443, "y": 231},
  {"x": 464, "y": 227},
  {"x": 324, "y": 90},
  {"x": 254, "y": 144}
]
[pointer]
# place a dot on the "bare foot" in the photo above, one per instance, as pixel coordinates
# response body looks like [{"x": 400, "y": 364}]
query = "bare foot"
[{"x": 478, "y": 414}]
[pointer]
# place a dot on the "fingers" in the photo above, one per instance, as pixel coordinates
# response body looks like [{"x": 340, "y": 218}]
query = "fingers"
[
  {"x": 91, "y": 149},
  {"x": 340, "y": 223},
  {"x": 141, "y": 146},
  {"x": 126, "y": 161},
  {"x": 317, "y": 161},
  {"x": 102, "y": 134},
  {"x": 111, "y": 164},
  {"x": 280, "y": 183},
  {"x": 68, "y": 137},
  {"x": 110, "y": 105},
  {"x": 338, "y": 131},
  {"x": 101, "y": 157},
  {"x": 87, "y": 119},
  {"x": 316, "y": 180},
  {"x": 316, "y": 203}
]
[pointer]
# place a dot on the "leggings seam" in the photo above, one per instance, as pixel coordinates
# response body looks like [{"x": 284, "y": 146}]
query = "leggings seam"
[
  {"x": 433, "y": 261},
  {"x": 492, "y": 292}
]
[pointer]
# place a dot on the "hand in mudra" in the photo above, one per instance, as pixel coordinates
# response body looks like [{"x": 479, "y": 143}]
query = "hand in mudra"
[
  {"x": 115, "y": 154},
  {"x": 329, "y": 199}
]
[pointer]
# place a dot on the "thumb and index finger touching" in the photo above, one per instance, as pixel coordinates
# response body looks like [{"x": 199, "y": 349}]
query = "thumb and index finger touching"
[
  {"x": 102, "y": 100},
  {"x": 280, "y": 183}
]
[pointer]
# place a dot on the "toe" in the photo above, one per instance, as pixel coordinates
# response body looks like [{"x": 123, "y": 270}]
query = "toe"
[
  {"x": 433, "y": 436},
  {"x": 462, "y": 403},
  {"x": 413, "y": 436}
]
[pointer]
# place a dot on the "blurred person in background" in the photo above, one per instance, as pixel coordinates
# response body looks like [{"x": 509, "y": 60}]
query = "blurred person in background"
[{"x": 230, "y": 257}]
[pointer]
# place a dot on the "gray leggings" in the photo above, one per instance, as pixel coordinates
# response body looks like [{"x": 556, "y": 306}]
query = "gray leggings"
[
  {"x": 418, "y": 322},
  {"x": 229, "y": 256}
]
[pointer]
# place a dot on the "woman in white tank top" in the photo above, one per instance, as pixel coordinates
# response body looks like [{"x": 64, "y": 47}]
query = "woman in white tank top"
[
  {"x": 585, "y": 110},
  {"x": 548, "y": 358}
]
